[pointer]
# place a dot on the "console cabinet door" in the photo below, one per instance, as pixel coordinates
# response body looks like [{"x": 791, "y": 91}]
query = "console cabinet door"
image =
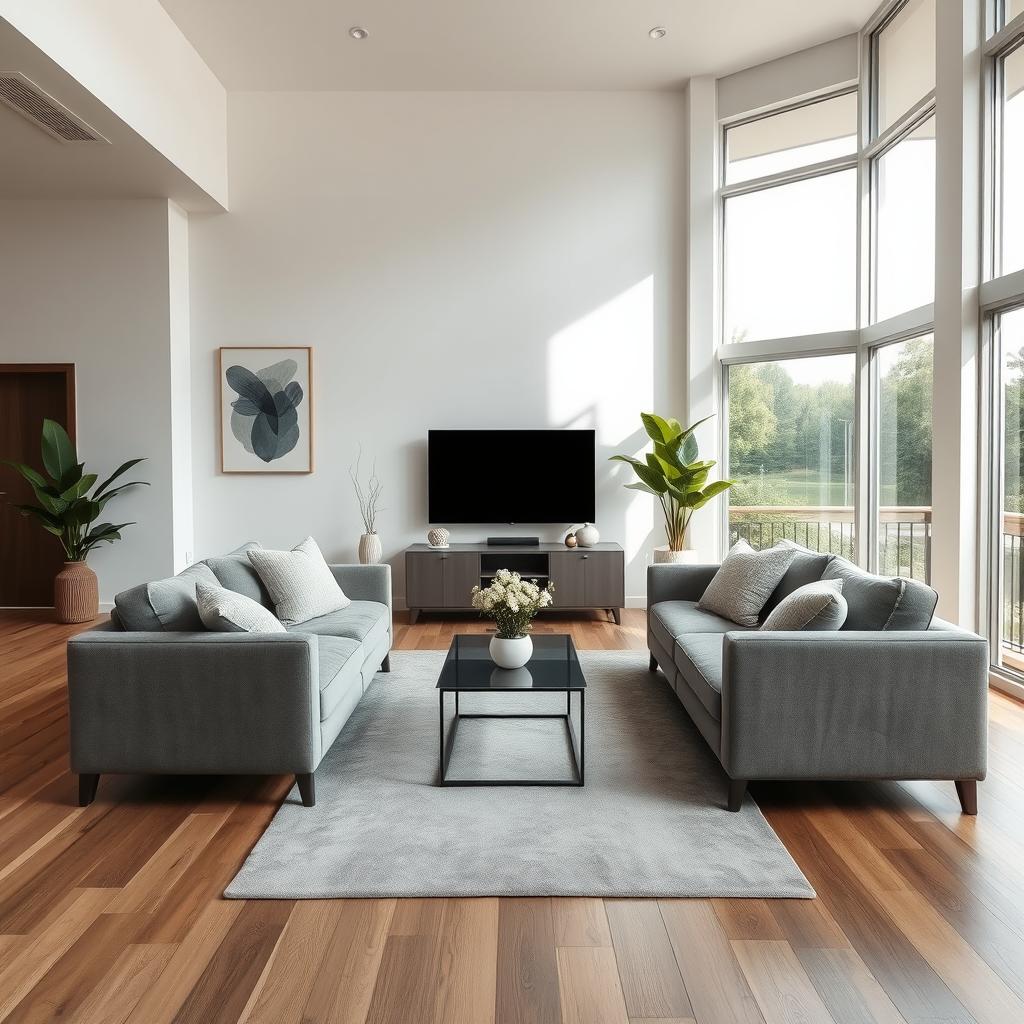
[
  {"x": 605, "y": 580},
  {"x": 461, "y": 575},
  {"x": 424, "y": 579},
  {"x": 568, "y": 573}
]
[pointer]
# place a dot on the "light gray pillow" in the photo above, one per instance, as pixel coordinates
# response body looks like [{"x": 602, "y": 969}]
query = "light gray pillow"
[
  {"x": 882, "y": 602},
  {"x": 235, "y": 572},
  {"x": 807, "y": 567},
  {"x": 814, "y": 606},
  {"x": 164, "y": 605},
  {"x": 300, "y": 582},
  {"x": 745, "y": 581},
  {"x": 225, "y": 611}
]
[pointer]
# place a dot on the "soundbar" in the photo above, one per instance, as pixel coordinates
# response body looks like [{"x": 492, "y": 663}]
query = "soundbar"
[{"x": 513, "y": 542}]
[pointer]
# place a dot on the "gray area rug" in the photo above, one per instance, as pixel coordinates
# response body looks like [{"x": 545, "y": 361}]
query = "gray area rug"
[{"x": 650, "y": 821}]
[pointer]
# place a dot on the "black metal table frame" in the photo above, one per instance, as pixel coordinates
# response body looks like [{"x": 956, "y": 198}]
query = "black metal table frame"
[{"x": 447, "y": 742}]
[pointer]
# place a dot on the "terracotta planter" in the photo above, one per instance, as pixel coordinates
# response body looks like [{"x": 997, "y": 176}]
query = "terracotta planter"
[{"x": 76, "y": 593}]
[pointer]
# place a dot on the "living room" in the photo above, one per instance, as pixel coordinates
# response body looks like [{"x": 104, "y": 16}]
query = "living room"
[{"x": 511, "y": 513}]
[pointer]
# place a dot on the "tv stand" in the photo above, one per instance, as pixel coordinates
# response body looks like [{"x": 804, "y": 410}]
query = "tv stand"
[{"x": 441, "y": 579}]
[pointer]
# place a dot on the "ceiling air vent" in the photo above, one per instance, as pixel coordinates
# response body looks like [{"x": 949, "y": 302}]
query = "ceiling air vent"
[{"x": 24, "y": 96}]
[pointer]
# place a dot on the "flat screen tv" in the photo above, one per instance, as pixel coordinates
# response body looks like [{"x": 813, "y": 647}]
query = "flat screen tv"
[{"x": 510, "y": 476}]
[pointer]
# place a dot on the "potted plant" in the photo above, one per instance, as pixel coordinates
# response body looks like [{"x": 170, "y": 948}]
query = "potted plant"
[
  {"x": 512, "y": 602},
  {"x": 69, "y": 511},
  {"x": 676, "y": 476},
  {"x": 368, "y": 497}
]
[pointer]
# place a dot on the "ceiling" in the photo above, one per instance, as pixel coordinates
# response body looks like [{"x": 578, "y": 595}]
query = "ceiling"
[
  {"x": 35, "y": 166},
  {"x": 487, "y": 44}
]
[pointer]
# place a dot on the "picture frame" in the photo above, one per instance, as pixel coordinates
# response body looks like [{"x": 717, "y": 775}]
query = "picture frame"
[{"x": 266, "y": 408}]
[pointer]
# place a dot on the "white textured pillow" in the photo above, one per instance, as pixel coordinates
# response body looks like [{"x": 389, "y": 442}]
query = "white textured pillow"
[
  {"x": 300, "y": 582},
  {"x": 814, "y": 606},
  {"x": 225, "y": 611},
  {"x": 745, "y": 581}
]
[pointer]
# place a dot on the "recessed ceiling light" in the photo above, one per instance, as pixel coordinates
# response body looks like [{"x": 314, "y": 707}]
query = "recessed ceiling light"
[
  {"x": 658, "y": 32},
  {"x": 358, "y": 33}
]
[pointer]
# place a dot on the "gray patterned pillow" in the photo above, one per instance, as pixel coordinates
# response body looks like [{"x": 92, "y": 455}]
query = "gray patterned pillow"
[
  {"x": 225, "y": 611},
  {"x": 300, "y": 582},
  {"x": 743, "y": 584},
  {"x": 816, "y": 606}
]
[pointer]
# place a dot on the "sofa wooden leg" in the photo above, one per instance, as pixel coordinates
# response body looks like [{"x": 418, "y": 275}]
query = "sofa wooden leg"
[
  {"x": 87, "y": 784},
  {"x": 653, "y": 664},
  {"x": 967, "y": 790},
  {"x": 385, "y": 665},
  {"x": 307, "y": 789},
  {"x": 737, "y": 790}
]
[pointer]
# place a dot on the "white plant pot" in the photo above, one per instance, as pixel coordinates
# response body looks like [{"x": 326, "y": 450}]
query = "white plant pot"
[
  {"x": 369, "y": 549},
  {"x": 511, "y": 653},
  {"x": 665, "y": 555}
]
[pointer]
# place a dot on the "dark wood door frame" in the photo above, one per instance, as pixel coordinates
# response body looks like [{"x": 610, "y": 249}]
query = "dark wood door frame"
[{"x": 68, "y": 369}]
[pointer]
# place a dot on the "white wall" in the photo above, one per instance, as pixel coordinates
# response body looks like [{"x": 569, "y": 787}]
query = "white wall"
[
  {"x": 87, "y": 282},
  {"x": 455, "y": 260}
]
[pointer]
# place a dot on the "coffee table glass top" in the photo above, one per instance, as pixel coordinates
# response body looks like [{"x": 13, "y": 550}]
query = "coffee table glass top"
[{"x": 553, "y": 666}]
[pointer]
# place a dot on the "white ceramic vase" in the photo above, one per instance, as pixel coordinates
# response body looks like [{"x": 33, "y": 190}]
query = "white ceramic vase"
[
  {"x": 587, "y": 535},
  {"x": 369, "y": 549},
  {"x": 665, "y": 555},
  {"x": 511, "y": 653}
]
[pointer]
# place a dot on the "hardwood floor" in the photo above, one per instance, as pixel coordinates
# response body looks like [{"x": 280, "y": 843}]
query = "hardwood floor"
[{"x": 112, "y": 913}]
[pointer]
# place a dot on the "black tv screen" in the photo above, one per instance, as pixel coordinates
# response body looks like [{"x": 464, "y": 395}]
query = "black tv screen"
[{"x": 510, "y": 476}]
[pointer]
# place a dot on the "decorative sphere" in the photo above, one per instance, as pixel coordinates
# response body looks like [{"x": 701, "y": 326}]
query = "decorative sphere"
[
  {"x": 587, "y": 536},
  {"x": 438, "y": 537},
  {"x": 570, "y": 540}
]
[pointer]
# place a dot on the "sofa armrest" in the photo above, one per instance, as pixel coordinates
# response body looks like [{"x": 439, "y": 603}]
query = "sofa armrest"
[
  {"x": 196, "y": 703},
  {"x": 365, "y": 582},
  {"x": 850, "y": 704},
  {"x": 678, "y": 582}
]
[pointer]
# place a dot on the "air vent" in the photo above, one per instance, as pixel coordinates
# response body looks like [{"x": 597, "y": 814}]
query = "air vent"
[{"x": 24, "y": 96}]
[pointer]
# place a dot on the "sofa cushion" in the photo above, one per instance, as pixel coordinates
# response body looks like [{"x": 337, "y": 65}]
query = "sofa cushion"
[
  {"x": 235, "y": 572},
  {"x": 225, "y": 611},
  {"x": 164, "y": 605},
  {"x": 300, "y": 582},
  {"x": 815, "y": 606},
  {"x": 882, "y": 602},
  {"x": 807, "y": 567},
  {"x": 741, "y": 587},
  {"x": 699, "y": 660},
  {"x": 671, "y": 619},
  {"x": 340, "y": 662},
  {"x": 362, "y": 621}
]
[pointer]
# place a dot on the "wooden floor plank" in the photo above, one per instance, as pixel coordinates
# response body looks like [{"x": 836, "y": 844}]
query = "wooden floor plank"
[
  {"x": 120, "y": 989},
  {"x": 589, "y": 988},
  {"x": 847, "y": 988},
  {"x": 467, "y": 959},
  {"x": 780, "y": 985},
  {"x": 527, "y": 979},
  {"x": 580, "y": 922}
]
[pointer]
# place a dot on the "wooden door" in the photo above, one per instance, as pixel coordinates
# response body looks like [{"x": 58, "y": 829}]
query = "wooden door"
[
  {"x": 461, "y": 575},
  {"x": 605, "y": 580},
  {"x": 424, "y": 579},
  {"x": 568, "y": 572},
  {"x": 29, "y": 556}
]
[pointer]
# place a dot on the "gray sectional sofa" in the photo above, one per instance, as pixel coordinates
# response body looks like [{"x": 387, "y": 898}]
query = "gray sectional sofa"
[
  {"x": 844, "y": 704},
  {"x": 174, "y": 699}
]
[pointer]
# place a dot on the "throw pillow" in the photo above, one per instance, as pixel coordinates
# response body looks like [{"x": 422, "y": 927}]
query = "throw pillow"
[
  {"x": 300, "y": 582},
  {"x": 745, "y": 581},
  {"x": 807, "y": 567},
  {"x": 816, "y": 606},
  {"x": 164, "y": 605},
  {"x": 881, "y": 602},
  {"x": 237, "y": 573},
  {"x": 225, "y": 611}
]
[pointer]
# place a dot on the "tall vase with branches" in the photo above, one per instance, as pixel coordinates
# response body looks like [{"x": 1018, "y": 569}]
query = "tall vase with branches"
[{"x": 368, "y": 496}]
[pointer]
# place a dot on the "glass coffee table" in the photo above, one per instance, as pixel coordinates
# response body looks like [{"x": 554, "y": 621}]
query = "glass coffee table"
[{"x": 553, "y": 668}]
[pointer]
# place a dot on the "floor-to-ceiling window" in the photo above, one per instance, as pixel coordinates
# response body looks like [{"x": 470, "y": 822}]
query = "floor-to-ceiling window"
[{"x": 1002, "y": 296}]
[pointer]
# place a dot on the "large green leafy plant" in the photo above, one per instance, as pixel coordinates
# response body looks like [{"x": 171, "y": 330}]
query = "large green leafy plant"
[
  {"x": 674, "y": 474},
  {"x": 66, "y": 507}
]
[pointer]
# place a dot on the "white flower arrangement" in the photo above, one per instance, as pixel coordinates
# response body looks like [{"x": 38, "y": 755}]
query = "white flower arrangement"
[{"x": 512, "y": 602}]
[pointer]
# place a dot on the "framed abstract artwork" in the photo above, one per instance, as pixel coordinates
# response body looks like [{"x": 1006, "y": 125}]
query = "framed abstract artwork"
[{"x": 266, "y": 409}]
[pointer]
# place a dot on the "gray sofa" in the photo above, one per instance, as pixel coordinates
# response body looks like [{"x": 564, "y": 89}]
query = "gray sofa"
[
  {"x": 845, "y": 704},
  {"x": 186, "y": 701}
]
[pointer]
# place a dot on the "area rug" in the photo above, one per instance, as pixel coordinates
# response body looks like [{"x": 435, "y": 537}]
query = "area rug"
[{"x": 650, "y": 821}]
